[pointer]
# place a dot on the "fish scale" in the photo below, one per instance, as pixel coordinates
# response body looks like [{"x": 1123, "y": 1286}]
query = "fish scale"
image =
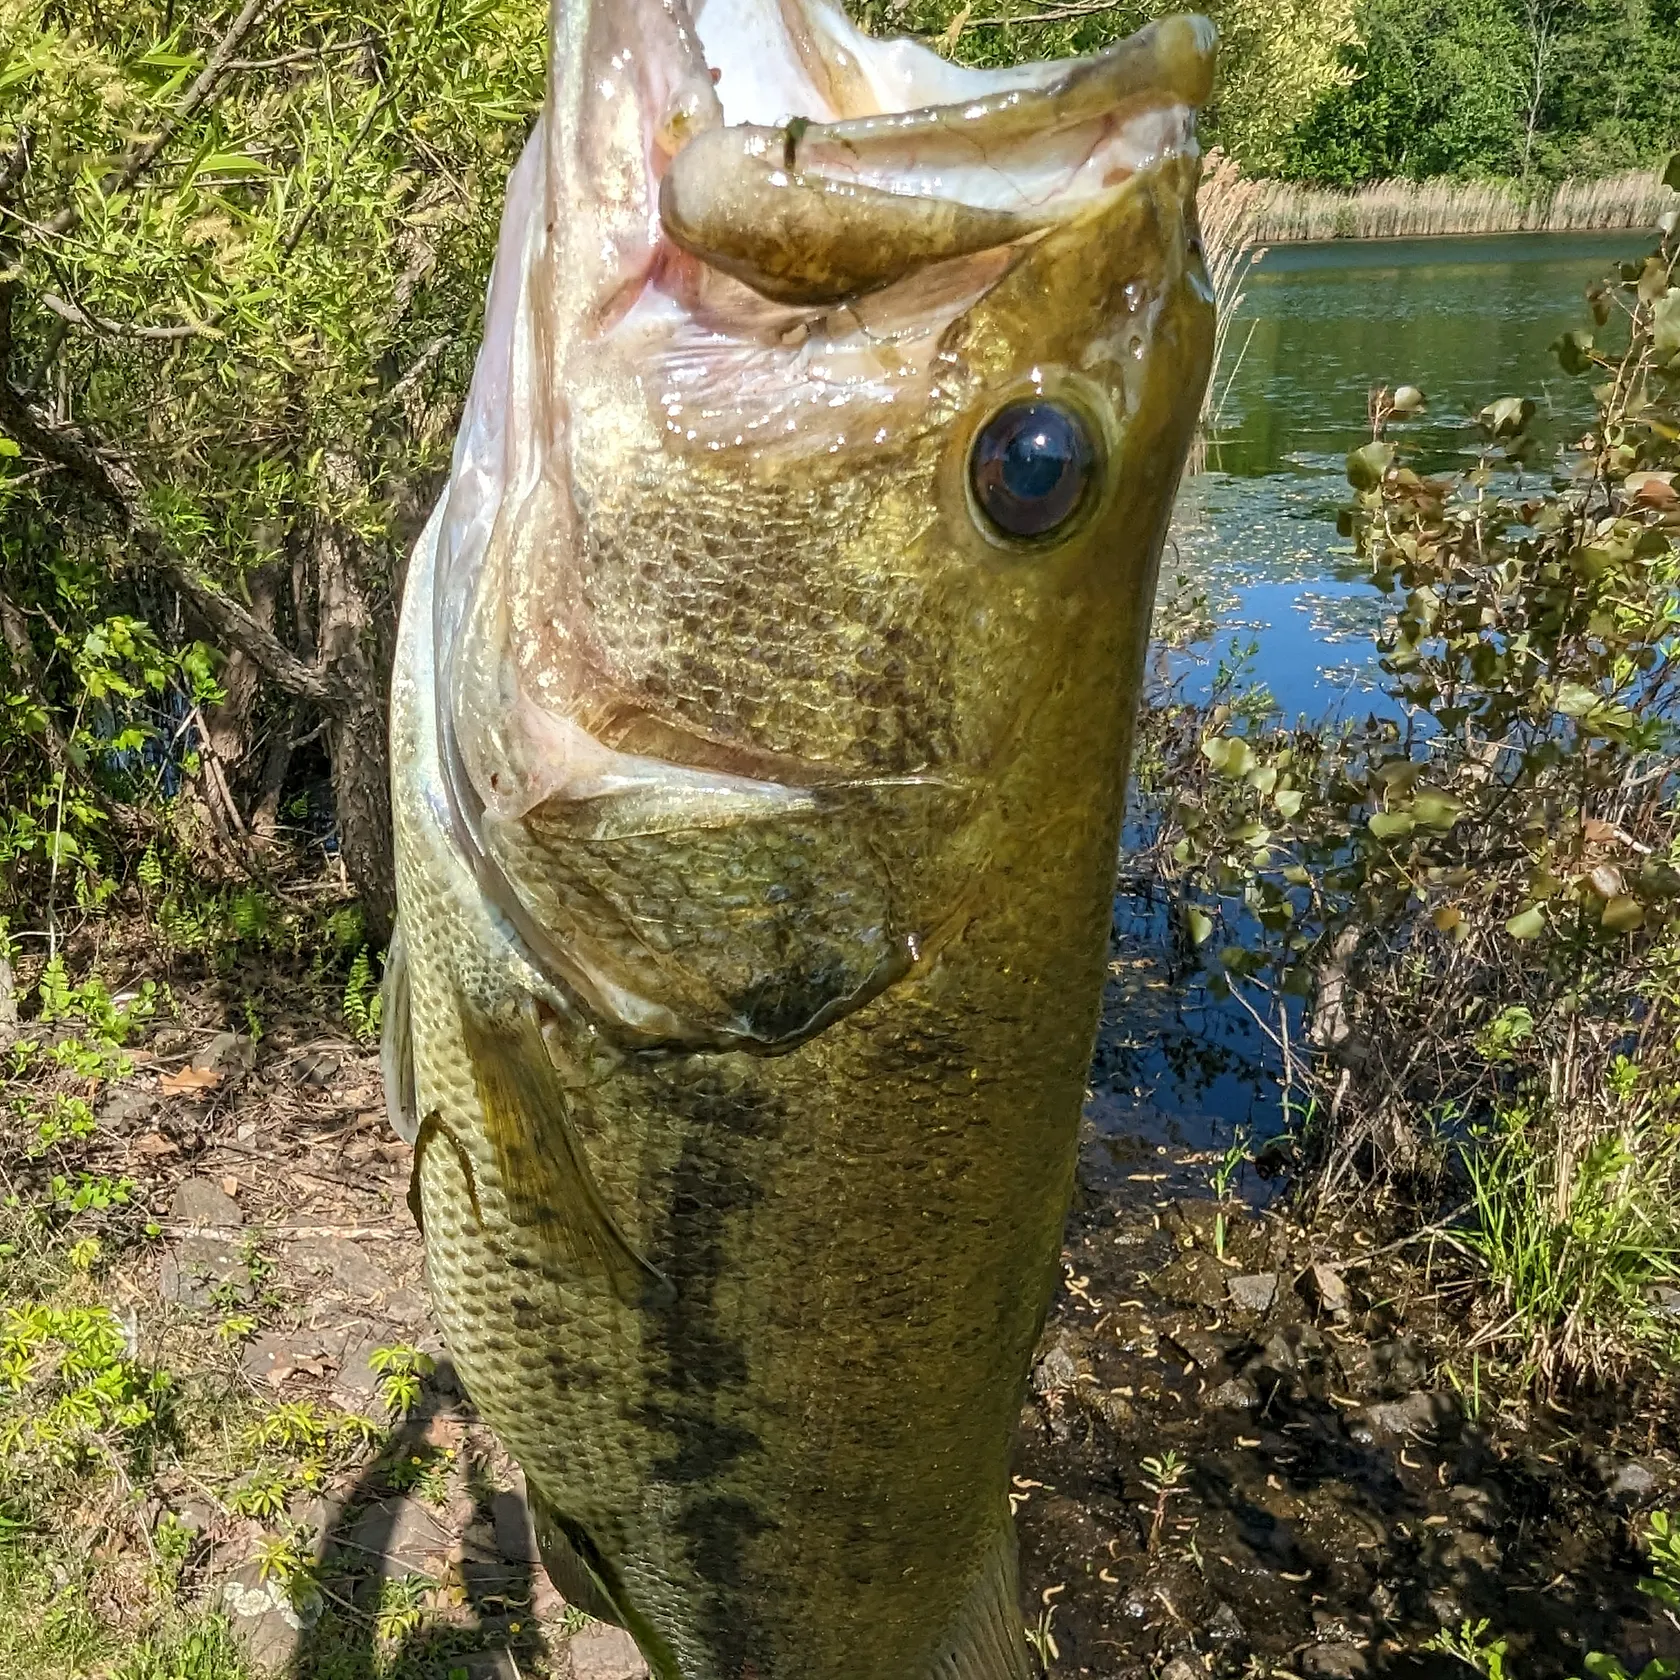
[{"x": 757, "y": 803}]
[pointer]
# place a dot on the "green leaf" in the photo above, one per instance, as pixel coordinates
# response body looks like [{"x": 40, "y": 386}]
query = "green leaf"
[
  {"x": 1665, "y": 321},
  {"x": 8, "y": 448},
  {"x": 1573, "y": 700},
  {"x": 1366, "y": 467},
  {"x": 1201, "y": 925},
  {"x": 1527, "y": 924},
  {"x": 1288, "y": 801},
  {"x": 1392, "y": 825},
  {"x": 1574, "y": 351},
  {"x": 1230, "y": 755},
  {"x": 1438, "y": 810},
  {"x": 1623, "y": 914}
]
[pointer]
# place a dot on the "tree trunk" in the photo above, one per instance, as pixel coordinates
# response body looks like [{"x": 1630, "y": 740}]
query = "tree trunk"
[{"x": 354, "y": 640}]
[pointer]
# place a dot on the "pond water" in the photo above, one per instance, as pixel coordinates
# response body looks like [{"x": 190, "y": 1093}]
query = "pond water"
[{"x": 1466, "y": 320}]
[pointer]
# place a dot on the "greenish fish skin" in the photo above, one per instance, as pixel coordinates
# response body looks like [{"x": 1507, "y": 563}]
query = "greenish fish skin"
[{"x": 757, "y": 808}]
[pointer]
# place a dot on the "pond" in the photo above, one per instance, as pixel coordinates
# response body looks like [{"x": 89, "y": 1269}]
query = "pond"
[
  {"x": 1467, "y": 320},
  {"x": 1464, "y": 319}
]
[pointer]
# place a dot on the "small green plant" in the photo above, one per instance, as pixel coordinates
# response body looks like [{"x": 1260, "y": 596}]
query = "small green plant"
[
  {"x": 1223, "y": 1178},
  {"x": 262, "y": 1493},
  {"x": 401, "y": 1371},
  {"x": 363, "y": 1005},
  {"x": 402, "y": 1606},
  {"x": 1662, "y": 1535},
  {"x": 1164, "y": 1477},
  {"x": 424, "y": 1472},
  {"x": 284, "y": 1560},
  {"x": 236, "y": 1327},
  {"x": 1041, "y": 1636},
  {"x": 1472, "y": 1646}
]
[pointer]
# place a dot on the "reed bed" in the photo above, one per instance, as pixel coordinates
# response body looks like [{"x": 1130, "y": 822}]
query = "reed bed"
[{"x": 1405, "y": 209}]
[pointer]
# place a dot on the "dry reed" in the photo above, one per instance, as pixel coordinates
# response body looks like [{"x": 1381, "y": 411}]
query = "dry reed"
[
  {"x": 1403, "y": 209},
  {"x": 1229, "y": 208}
]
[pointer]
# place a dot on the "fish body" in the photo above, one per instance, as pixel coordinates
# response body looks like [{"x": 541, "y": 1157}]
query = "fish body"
[{"x": 760, "y": 719}]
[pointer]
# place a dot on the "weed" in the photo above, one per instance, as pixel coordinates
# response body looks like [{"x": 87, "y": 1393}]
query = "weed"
[
  {"x": 425, "y": 1473},
  {"x": 236, "y": 1327},
  {"x": 402, "y": 1606},
  {"x": 1041, "y": 1637},
  {"x": 363, "y": 1005},
  {"x": 284, "y": 1560},
  {"x": 262, "y": 1494},
  {"x": 1471, "y": 1645},
  {"x": 206, "y": 1650},
  {"x": 1574, "y": 1254},
  {"x": 401, "y": 1370},
  {"x": 1163, "y": 1477}
]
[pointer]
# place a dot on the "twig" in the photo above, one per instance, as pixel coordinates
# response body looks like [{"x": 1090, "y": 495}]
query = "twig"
[{"x": 77, "y": 316}]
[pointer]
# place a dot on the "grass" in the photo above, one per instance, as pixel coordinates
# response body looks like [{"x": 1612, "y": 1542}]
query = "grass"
[
  {"x": 1574, "y": 1243},
  {"x": 1405, "y": 209}
]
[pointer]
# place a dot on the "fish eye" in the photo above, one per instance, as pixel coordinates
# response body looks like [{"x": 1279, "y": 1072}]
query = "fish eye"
[{"x": 1031, "y": 467}]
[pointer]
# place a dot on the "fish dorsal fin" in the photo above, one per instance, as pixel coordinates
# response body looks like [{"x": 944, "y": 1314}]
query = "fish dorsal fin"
[{"x": 545, "y": 1176}]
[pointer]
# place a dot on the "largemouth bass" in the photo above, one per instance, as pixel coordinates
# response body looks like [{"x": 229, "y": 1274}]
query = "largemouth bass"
[{"x": 761, "y": 720}]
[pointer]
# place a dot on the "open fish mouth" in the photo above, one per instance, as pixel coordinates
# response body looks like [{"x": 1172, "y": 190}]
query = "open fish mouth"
[{"x": 820, "y": 163}]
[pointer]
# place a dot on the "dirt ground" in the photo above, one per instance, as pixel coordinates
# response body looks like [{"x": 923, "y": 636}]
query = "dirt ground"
[{"x": 1248, "y": 1449}]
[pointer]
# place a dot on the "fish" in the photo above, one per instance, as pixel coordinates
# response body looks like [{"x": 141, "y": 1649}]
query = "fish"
[{"x": 761, "y": 713}]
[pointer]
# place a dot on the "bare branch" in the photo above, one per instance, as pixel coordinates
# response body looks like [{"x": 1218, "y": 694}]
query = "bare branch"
[
  {"x": 77, "y": 316},
  {"x": 114, "y": 482}
]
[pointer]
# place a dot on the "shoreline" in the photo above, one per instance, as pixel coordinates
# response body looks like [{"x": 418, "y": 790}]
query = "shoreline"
[{"x": 1283, "y": 213}]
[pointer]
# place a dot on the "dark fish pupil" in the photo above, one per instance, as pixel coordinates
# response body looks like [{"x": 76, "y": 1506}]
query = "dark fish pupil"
[{"x": 1031, "y": 465}]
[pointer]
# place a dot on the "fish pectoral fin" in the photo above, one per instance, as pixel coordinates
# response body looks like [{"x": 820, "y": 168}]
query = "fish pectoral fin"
[
  {"x": 567, "y": 1561},
  {"x": 396, "y": 1043},
  {"x": 984, "y": 1641},
  {"x": 546, "y": 1178}
]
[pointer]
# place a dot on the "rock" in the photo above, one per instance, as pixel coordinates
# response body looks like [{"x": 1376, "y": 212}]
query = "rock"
[
  {"x": 1421, "y": 1415},
  {"x": 1327, "y": 1289},
  {"x": 486, "y": 1665},
  {"x": 124, "y": 1110},
  {"x": 1196, "y": 1220},
  {"x": 1633, "y": 1484},
  {"x": 199, "y": 1202},
  {"x": 1055, "y": 1373},
  {"x": 1398, "y": 1365},
  {"x": 606, "y": 1653},
  {"x": 1223, "y": 1628},
  {"x": 516, "y": 1534},
  {"x": 227, "y": 1053},
  {"x": 1181, "y": 1668},
  {"x": 1477, "y": 1505},
  {"x": 1255, "y": 1293},
  {"x": 264, "y": 1619},
  {"x": 274, "y": 1356},
  {"x": 344, "y": 1266},
  {"x": 1237, "y": 1395},
  {"x": 393, "y": 1537},
  {"x": 1335, "y": 1662},
  {"x": 1664, "y": 1299},
  {"x": 196, "y": 1515},
  {"x": 1196, "y": 1279},
  {"x": 316, "y": 1067},
  {"x": 408, "y": 1305},
  {"x": 201, "y": 1271}
]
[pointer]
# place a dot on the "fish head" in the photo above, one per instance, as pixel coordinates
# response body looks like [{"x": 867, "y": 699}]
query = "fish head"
[{"x": 810, "y": 492}]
